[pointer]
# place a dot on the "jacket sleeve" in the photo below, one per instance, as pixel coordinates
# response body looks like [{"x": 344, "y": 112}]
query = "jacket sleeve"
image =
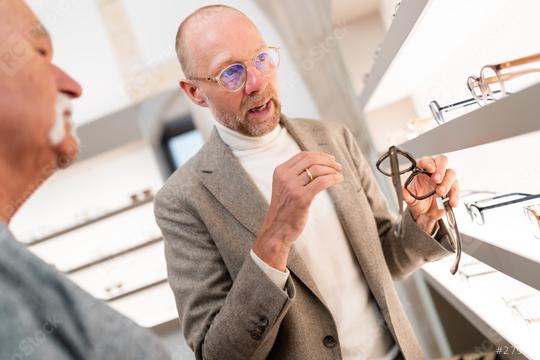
[
  {"x": 403, "y": 256},
  {"x": 220, "y": 317}
]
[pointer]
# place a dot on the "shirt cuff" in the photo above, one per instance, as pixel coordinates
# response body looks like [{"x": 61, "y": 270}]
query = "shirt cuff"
[
  {"x": 277, "y": 277},
  {"x": 436, "y": 230}
]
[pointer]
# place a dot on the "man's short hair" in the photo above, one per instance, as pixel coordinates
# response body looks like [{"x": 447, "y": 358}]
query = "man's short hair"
[{"x": 202, "y": 14}]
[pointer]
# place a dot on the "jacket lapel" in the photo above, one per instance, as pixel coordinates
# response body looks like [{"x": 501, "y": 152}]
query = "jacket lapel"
[
  {"x": 350, "y": 213},
  {"x": 223, "y": 175}
]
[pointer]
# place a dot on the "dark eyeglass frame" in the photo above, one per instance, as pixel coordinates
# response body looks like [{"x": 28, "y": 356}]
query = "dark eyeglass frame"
[
  {"x": 395, "y": 174},
  {"x": 217, "y": 78},
  {"x": 476, "y": 210}
]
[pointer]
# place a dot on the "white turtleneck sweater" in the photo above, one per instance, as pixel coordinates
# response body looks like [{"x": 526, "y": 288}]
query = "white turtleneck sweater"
[{"x": 322, "y": 246}]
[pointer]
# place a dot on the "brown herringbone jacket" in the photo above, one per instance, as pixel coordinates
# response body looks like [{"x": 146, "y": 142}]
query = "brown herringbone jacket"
[{"x": 210, "y": 211}]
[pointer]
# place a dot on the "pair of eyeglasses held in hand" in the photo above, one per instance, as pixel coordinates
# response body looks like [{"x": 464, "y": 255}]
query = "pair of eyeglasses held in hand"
[{"x": 396, "y": 162}]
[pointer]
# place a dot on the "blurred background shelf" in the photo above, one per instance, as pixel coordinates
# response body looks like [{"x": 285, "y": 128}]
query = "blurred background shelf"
[
  {"x": 115, "y": 255},
  {"x": 133, "y": 205}
]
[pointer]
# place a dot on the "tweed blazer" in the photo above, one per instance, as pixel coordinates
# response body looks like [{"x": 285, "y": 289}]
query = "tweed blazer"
[{"x": 210, "y": 211}]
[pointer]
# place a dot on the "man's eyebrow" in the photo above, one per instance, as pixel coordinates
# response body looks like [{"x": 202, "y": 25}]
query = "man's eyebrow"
[
  {"x": 38, "y": 31},
  {"x": 220, "y": 65}
]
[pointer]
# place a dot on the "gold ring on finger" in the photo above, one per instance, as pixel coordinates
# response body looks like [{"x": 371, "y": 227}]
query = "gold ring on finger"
[{"x": 309, "y": 174}]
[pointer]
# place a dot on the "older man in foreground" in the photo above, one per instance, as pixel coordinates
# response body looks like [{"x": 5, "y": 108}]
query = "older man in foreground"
[{"x": 42, "y": 314}]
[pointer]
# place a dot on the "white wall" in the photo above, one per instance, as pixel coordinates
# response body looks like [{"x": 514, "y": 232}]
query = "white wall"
[
  {"x": 83, "y": 48},
  {"x": 361, "y": 38}
]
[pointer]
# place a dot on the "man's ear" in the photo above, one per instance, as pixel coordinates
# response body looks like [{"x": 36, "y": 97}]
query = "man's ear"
[{"x": 192, "y": 92}]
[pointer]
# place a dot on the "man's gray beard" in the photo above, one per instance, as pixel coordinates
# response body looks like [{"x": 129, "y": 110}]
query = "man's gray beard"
[
  {"x": 57, "y": 133},
  {"x": 244, "y": 126}
]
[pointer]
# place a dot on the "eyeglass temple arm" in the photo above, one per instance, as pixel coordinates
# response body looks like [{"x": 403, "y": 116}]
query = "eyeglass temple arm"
[
  {"x": 202, "y": 78},
  {"x": 508, "y": 76},
  {"x": 501, "y": 197},
  {"x": 458, "y": 105},
  {"x": 463, "y": 103},
  {"x": 396, "y": 180},
  {"x": 524, "y": 197},
  {"x": 452, "y": 220},
  {"x": 520, "y": 61},
  {"x": 513, "y": 74}
]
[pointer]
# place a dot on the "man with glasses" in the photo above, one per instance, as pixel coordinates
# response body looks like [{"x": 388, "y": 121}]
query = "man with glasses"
[
  {"x": 43, "y": 315},
  {"x": 278, "y": 239}
]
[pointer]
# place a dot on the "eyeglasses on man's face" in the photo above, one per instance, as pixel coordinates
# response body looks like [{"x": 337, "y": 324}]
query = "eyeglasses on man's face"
[
  {"x": 233, "y": 77},
  {"x": 396, "y": 162}
]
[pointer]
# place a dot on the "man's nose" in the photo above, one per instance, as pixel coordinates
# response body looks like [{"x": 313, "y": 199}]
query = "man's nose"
[
  {"x": 66, "y": 84},
  {"x": 256, "y": 82}
]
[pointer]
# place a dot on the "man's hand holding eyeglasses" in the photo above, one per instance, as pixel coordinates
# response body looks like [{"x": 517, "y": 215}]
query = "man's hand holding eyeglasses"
[{"x": 443, "y": 180}]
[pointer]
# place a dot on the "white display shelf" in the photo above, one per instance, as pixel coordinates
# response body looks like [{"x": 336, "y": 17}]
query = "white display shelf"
[
  {"x": 433, "y": 46},
  {"x": 482, "y": 300},
  {"x": 402, "y": 26},
  {"x": 158, "y": 304},
  {"x": 428, "y": 53},
  {"x": 514, "y": 115},
  {"x": 123, "y": 274},
  {"x": 100, "y": 240},
  {"x": 505, "y": 242}
]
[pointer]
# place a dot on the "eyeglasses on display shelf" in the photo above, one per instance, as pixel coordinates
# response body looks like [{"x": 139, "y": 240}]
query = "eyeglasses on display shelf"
[
  {"x": 533, "y": 214},
  {"x": 469, "y": 192},
  {"x": 396, "y": 8},
  {"x": 121, "y": 292},
  {"x": 475, "y": 269},
  {"x": 438, "y": 111},
  {"x": 137, "y": 200},
  {"x": 233, "y": 77},
  {"x": 478, "y": 208},
  {"x": 516, "y": 300},
  {"x": 143, "y": 196},
  {"x": 526, "y": 308},
  {"x": 114, "y": 290},
  {"x": 396, "y": 162},
  {"x": 102, "y": 257},
  {"x": 493, "y": 80}
]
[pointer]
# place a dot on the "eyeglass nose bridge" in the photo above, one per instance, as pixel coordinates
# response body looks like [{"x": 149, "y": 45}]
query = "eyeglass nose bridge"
[{"x": 256, "y": 73}]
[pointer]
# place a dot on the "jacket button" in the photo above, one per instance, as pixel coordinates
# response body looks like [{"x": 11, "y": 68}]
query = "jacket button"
[
  {"x": 264, "y": 321},
  {"x": 329, "y": 341},
  {"x": 255, "y": 335}
]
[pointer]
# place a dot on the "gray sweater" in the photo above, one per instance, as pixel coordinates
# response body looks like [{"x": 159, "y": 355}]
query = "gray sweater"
[{"x": 43, "y": 315}]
